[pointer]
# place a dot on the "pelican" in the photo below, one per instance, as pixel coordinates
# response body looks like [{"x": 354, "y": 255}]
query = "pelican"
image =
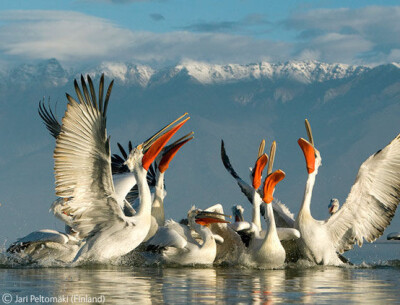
[
  {"x": 177, "y": 244},
  {"x": 46, "y": 246},
  {"x": 284, "y": 219},
  {"x": 368, "y": 209},
  {"x": 83, "y": 176},
  {"x": 229, "y": 243},
  {"x": 333, "y": 206},
  {"x": 245, "y": 229},
  {"x": 155, "y": 179},
  {"x": 268, "y": 252},
  {"x": 122, "y": 177},
  {"x": 155, "y": 176}
]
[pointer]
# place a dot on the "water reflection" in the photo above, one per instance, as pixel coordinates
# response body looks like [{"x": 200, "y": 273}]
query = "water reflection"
[{"x": 124, "y": 285}]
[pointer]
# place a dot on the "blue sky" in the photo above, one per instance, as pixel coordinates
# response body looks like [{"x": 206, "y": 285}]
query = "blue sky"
[{"x": 169, "y": 31}]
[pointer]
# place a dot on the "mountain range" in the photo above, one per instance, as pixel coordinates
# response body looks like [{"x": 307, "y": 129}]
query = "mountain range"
[{"x": 353, "y": 110}]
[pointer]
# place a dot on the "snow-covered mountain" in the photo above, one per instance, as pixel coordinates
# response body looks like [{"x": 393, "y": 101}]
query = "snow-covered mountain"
[
  {"x": 353, "y": 110},
  {"x": 53, "y": 74}
]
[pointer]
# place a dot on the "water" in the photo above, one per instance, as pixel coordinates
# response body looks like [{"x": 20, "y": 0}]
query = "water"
[{"x": 375, "y": 279}]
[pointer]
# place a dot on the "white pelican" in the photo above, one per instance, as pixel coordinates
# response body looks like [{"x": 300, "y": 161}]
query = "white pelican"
[
  {"x": 46, "y": 246},
  {"x": 83, "y": 176},
  {"x": 333, "y": 206},
  {"x": 123, "y": 179},
  {"x": 155, "y": 179},
  {"x": 230, "y": 245},
  {"x": 178, "y": 246},
  {"x": 155, "y": 176},
  {"x": 283, "y": 217},
  {"x": 368, "y": 209},
  {"x": 268, "y": 252}
]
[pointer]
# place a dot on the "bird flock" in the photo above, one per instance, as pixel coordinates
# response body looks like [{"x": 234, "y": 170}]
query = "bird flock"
[{"x": 113, "y": 204}]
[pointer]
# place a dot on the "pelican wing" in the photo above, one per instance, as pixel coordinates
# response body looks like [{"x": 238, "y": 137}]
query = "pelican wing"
[
  {"x": 246, "y": 189},
  {"x": 83, "y": 164},
  {"x": 38, "y": 237},
  {"x": 372, "y": 201},
  {"x": 244, "y": 226},
  {"x": 283, "y": 217},
  {"x": 49, "y": 119},
  {"x": 167, "y": 237}
]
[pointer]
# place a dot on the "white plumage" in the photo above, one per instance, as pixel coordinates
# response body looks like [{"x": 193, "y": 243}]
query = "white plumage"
[{"x": 368, "y": 209}]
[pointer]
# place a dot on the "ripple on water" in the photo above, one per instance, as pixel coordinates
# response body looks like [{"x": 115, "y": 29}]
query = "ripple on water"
[{"x": 369, "y": 281}]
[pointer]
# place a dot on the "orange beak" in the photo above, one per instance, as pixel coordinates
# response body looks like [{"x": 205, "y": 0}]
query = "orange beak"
[
  {"x": 164, "y": 163},
  {"x": 206, "y": 218},
  {"x": 258, "y": 168},
  {"x": 158, "y": 145},
  {"x": 269, "y": 185},
  {"x": 309, "y": 154},
  {"x": 208, "y": 221}
]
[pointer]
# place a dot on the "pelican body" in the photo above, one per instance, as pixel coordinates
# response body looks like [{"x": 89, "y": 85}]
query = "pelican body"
[{"x": 366, "y": 213}]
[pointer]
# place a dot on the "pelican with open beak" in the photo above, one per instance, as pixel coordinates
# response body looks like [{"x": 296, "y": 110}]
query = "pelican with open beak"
[
  {"x": 177, "y": 245},
  {"x": 368, "y": 209}
]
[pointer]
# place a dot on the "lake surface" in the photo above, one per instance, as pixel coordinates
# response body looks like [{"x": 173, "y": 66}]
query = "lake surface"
[{"x": 375, "y": 279}]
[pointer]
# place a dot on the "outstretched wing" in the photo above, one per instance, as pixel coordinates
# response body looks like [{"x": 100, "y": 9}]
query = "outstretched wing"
[
  {"x": 49, "y": 119},
  {"x": 83, "y": 162},
  {"x": 372, "y": 201}
]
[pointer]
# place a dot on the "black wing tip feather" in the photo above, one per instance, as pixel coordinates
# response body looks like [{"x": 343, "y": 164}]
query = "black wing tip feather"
[
  {"x": 91, "y": 99},
  {"x": 122, "y": 150},
  {"x": 49, "y": 118},
  {"x": 227, "y": 162}
]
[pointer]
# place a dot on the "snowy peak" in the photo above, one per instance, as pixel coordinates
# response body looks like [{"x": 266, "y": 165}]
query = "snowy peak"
[
  {"x": 50, "y": 73},
  {"x": 304, "y": 72},
  {"x": 127, "y": 74}
]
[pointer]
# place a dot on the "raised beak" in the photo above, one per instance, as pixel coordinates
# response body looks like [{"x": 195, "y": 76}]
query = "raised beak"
[
  {"x": 146, "y": 144},
  {"x": 158, "y": 141},
  {"x": 171, "y": 150},
  {"x": 309, "y": 154},
  {"x": 257, "y": 171},
  {"x": 205, "y": 218},
  {"x": 269, "y": 185}
]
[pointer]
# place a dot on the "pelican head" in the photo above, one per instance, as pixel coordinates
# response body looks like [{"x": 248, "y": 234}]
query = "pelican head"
[
  {"x": 205, "y": 218},
  {"x": 311, "y": 154},
  {"x": 169, "y": 152},
  {"x": 269, "y": 185},
  {"x": 237, "y": 211},
  {"x": 149, "y": 149},
  {"x": 333, "y": 206}
]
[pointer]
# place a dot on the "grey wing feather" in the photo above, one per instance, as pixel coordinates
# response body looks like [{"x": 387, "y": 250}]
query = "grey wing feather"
[{"x": 283, "y": 217}]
